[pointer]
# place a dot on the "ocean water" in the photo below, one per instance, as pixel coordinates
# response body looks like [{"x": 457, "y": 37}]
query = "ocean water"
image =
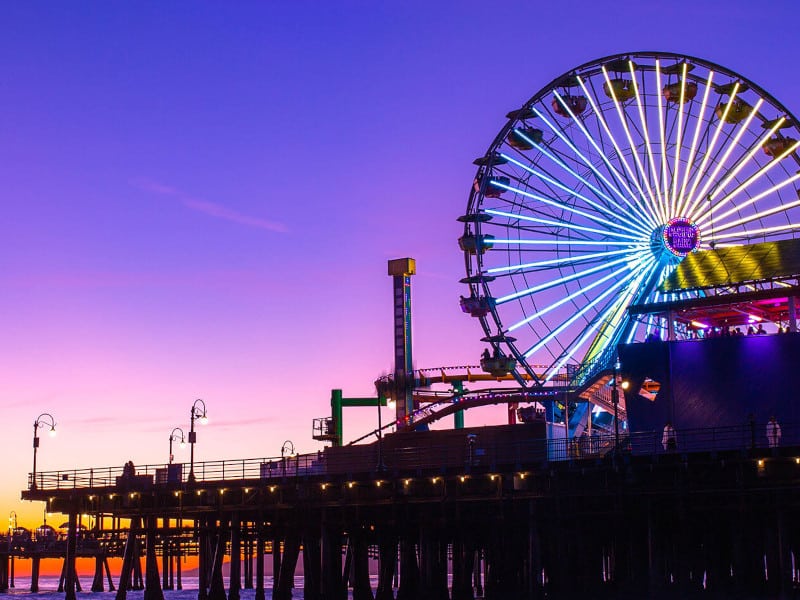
[{"x": 48, "y": 588}]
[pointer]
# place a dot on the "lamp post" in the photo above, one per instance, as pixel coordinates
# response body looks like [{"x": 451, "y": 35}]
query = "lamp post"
[
  {"x": 286, "y": 449},
  {"x": 195, "y": 413},
  {"x": 381, "y": 465},
  {"x": 43, "y": 420},
  {"x": 12, "y": 527},
  {"x": 174, "y": 438},
  {"x": 616, "y": 406}
]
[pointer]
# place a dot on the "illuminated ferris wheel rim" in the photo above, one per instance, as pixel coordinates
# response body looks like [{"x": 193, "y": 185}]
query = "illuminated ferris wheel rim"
[{"x": 671, "y": 226}]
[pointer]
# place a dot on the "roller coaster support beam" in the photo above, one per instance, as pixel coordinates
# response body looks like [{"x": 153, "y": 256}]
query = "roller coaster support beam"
[
  {"x": 458, "y": 388},
  {"x": 338, "y": 403}
]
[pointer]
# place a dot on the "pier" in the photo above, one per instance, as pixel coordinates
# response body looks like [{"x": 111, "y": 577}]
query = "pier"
[{"x": 493, "y": 512}]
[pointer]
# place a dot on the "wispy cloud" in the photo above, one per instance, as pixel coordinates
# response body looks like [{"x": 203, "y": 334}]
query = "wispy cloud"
[{"x": 207, "y": 207}]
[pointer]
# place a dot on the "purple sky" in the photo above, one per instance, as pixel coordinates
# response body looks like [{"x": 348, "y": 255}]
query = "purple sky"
[{"x": 200, "y": 199}]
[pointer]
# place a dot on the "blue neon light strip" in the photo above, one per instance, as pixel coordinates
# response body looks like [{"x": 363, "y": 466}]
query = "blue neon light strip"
[
  {"x": 556, "y": 261},
  {"x": 564, "y": 224},
  {"x": 643, "y": 213},
  {"x": 554, "y": 282},
  {"x": 583, "y": 311},
  {"x": 616, "y": 322},
  {"x": 572, "y": 296},
  {"x": 586, "y": 161},
  {"x": 574, "y": 347},
  {"x": 647, "y": 211},
  {"x": 558, "y": 205},
  {"x": 617, "y": 214},
  {"x": 558, "y": 161},
  {"x": 510, "y": 242}
]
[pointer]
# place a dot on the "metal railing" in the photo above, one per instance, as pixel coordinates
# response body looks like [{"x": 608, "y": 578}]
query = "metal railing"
[
  {"x": 500, "y": 454},
  {"x": 587, "y": 370}
]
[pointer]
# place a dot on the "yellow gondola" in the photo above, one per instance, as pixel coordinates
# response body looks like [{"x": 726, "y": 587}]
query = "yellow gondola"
[
  {"x": 738, "y": 111},
  {"x": 622, "y": 89}
]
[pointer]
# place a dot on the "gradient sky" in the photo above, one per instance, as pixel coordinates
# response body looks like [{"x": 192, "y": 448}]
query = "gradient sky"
[{"x": 200, "y": 199}]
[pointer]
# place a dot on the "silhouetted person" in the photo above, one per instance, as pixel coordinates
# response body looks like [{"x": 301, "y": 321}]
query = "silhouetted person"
[
  {"x": 773, "y": 432},
  {"x": 738, "y": 331},
  {"x": 669, "y": 439},
  {"x": 485, "y": 355},
  {"x": 761, "y": 330},
  {"x": 751, "y": 331}
]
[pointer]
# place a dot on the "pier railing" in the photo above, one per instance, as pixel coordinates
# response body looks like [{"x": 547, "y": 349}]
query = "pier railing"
[{"x": 471, "y": 456}]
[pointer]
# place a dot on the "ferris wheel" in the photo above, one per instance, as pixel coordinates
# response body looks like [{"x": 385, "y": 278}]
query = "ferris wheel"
[{"x": 600, "y": 184}]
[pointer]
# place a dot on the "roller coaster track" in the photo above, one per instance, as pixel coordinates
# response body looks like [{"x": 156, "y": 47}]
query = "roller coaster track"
[{"x": 434, "y": 405}]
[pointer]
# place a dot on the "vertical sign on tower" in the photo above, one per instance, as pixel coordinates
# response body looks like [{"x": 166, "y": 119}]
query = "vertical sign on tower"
[{"x": 401, "y": 270}]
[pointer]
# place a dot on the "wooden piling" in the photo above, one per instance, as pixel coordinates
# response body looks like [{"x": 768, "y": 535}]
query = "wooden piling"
[
  {"x": 260, "y": 593},
  {"x": 235, "y": 578},
  {"x": 152, "y": 584}
]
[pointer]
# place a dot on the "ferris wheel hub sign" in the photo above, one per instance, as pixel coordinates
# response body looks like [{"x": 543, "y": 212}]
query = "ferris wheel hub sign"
[{"x": 681, "y": 236}]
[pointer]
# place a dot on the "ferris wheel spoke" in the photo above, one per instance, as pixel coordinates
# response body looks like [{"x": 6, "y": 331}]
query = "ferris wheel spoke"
[
  {"x": 563, "y": 165},
  {"x": 600, "y": 151},
  {"x": 562, "y": 135},
  {"x": 560, "y": 205},
  {"x": 732, "y": 145},
  {"x": 698, "y": 126},
  {"x": 679, "y": 142},
  {"x": 565, "y": 262},
  {"x": 566, "y": 278},
  {"x": 741, "y": 163},
  {"x": 564, "y": 225},
  {"x": 560, "y": 242},
  {"x": 753, "y": 200},
  {"x": 692, "y": 199},
  {"x": 604, "y": 339},
  {"x": 658, "y": 207},
  {"x": 707, "y": 214},
  {"x": 582, "y": 290},
  {"x": 646, "y": 211},
  {"x": 538, "y": 345},
  {"x": 634, "y": 328},
  {"x": 575, "y": 193},
  {"x": 528, "y": 183},
  {"x": 755, "y": 217},
  {"x": 662, "y": 181}
]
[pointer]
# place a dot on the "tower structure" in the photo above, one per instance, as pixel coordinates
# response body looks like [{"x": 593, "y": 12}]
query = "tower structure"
[{"x": 401, "y": 270}]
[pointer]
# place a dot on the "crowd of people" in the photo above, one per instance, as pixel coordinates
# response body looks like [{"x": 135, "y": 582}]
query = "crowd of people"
[{"x": 729, "y": 331}]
